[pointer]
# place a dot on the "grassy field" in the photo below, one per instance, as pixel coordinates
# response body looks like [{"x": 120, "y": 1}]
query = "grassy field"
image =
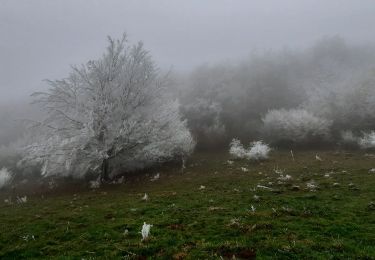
[{"x": 214, "y": 210}]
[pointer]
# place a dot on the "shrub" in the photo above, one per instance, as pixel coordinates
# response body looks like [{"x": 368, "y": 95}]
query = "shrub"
[
  {"x": 256, "y": 151},
  {"x": 236, "y": 149},
  {"x": 295, "y": 125}
]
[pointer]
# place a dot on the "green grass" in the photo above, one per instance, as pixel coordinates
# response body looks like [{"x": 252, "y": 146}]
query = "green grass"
[{"x": 333, "y": 222}]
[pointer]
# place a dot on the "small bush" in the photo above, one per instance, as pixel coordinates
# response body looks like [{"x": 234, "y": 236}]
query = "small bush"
[
  {"x": 236, "y": 149},
  {"x": 256, "y": 151}
]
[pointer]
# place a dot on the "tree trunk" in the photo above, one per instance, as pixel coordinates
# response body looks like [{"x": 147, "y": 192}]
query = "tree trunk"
[{"x": 105, "y": 171}]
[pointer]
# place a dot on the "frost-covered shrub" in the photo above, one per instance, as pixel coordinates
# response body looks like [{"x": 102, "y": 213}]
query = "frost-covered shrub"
[
  {"x": 5, "y": 177},
  {"x": 367, "y": 140},
  {"x": 295, "y": 125},
  {"x": 236, "y": 149},
  {"x": 256, "y": 151}
]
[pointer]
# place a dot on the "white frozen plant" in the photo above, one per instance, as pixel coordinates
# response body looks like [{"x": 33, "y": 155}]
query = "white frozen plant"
[
  {"x": 285, "y": 177},
  {"x": 145, "y": 231},
  {"x": 22, "y": 200},
  {"x": 113, "y": 111},
  {"x": 5, "y": 177},
  {"x": 312, "y": 186},
  {"x": 95, "y": 184},
  {"x": 263, "y": 187},
  {"x": 28, "y": 237},
  {"x": 155, "y": 177},
  {"x": 318, "y": 158},
  {"x": 253, "y": 209},
  {"x": 256, "y": 151},
  {"x": 145, "y": 197},
  {"x": 277, "y": 170},
  {"x": 236, "y": 149}
]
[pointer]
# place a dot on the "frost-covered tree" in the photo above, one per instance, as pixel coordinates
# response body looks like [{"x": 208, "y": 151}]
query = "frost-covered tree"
[
  {"x": 295, "y": 125},
  {"x": 366, "y": 140},
  {"x": 204, "y": 121},
  {"x": 5, "y": 177},
  {"x": 350, "y": 104},
  {"x": 116, "y": 108},
  {"x": 331, "y": 80}
]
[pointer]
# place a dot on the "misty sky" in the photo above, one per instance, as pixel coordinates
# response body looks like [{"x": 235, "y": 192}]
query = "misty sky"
[{"x": 40, "y": 39}]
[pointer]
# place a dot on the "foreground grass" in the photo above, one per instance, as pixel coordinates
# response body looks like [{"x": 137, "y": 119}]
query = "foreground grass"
[{"x": 189, "y": 221}]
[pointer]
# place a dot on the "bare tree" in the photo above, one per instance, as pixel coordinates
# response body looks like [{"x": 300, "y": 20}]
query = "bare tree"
[{"x": 116, "y": 106}]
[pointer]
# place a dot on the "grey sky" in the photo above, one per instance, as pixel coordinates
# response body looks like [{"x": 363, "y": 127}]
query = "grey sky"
[{"x": 39, "y": 39}]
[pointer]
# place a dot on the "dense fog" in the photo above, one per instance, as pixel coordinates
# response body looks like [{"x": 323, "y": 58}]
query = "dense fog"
[
  {"x": 212, "y": 81},
  {"x": 187, "y": 129},
  {"x": 331, "y": 80}
]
